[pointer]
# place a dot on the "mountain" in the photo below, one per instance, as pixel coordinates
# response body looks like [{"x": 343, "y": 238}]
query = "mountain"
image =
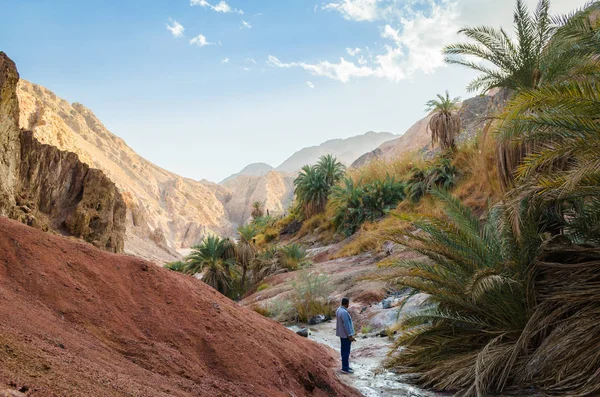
[
  {"x": 274, "y": 190},
  {"x": 255, "y": 169},
  {"x": 165, "y": 212},
  {"x": 346, "y": 150},
  {"x": 77, "y": 321}
]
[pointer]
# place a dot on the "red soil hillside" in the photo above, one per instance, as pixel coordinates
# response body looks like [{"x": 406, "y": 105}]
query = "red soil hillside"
[{"x": 77, "y": 321}]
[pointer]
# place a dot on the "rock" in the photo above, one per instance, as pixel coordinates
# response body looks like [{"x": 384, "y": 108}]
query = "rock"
[
  {"x": 9, "y": 135},
  {"x": 387, "y": 303},
  {"x": 318, "y": 319},
  {"x": 292, "y": 228},
  {"x": 54, "y": 189},
  {"x": 303, "y": 332}
]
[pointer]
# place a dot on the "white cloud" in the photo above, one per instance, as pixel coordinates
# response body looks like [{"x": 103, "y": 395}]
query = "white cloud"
[
  {"x": 310, "y": 84},
  {"x": 222, "y": 6},
  {"x": 247, "y": 69},
  {"x": 245, "y": 25},
  {"x": 359, "y": 10},
  {"x": 200, "y": 41},
  {"x": 175, "y": 28},
  {"x": 251, "y": 61},
  {"x": 226, "y": 60},
  {"x": 342, "y": 71},
  {"x": 416, "y": 45},
  {"x": 353, "y": 51}
]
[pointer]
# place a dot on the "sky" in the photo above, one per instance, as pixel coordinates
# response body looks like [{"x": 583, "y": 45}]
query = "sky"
[{"x": 205, "y": 87}]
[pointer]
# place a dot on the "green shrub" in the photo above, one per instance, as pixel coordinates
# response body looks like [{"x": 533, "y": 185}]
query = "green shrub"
[
  {"x": 178, "y": 266},
  {"x": 311, "y": 296},
  {"x": 356, "y": 203},
  {"x": 439, "y": 174},
  {"x": 262, "y": 287}
]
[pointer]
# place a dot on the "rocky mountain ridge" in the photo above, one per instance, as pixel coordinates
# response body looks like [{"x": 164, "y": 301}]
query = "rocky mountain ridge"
[{"x": 164, "y": 212}]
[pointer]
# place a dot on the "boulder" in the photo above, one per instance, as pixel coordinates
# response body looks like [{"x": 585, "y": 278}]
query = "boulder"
[{"x": 303, "y": 332}]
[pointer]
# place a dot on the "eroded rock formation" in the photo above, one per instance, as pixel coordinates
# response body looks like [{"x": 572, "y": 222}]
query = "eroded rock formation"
[{"x": 52, "y": 189}]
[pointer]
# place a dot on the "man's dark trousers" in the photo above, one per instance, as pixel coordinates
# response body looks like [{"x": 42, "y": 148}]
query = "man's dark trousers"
[{"x": 346, "y": 343}]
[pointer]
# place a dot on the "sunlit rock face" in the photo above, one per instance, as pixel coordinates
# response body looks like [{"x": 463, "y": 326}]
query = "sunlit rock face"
[{"x": 49, "y": 188}]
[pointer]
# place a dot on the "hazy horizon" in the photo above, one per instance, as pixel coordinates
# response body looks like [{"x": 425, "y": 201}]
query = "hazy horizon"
[{"x": 204, "y": 88}]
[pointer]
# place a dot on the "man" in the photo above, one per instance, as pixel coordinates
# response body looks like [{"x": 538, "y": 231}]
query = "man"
[{"x": 345, "y": 330}]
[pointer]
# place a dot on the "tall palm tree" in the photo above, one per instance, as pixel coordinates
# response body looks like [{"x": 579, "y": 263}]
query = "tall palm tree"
[
  {"x": 311, "y": 190},
  {"x": 208, "y": 258},
  {"x": 542, "y": 53},
  {"x": 245, "y": 249},
  {"x": 332, "y": 170},
  {"x": 257, "y": 210},
  {"x": 445, "y": 122}
]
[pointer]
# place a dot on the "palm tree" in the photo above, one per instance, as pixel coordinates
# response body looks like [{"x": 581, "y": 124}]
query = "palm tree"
[
  {"x": 527, "y": 61},
  {"x": 208, "y": 258},
  {"x": 266, "y": 263},
  {"x": 445, "y": 121},
  {"x": 478, "y": 301},
  {"x": 257, "y": 210},
  {"x": 293, "y": 256},
  {"x": 346, "y": 202},
  {"x": 311, "y": 190},
  {"x": 246, "y": 250},
  {"x": 565, "y": 168},
  {"x": 331, "y": 169},
  {"x": 543, "y": 53}
]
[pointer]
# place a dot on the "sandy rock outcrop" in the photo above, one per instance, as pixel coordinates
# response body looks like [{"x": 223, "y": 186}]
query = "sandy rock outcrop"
[
  {"x": 52, "y": 189},
  {"x": 275, "y": 190}
]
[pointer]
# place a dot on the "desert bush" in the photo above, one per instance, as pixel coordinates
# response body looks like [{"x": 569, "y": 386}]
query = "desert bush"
[
  {"x": 177, "y": 266},
  {"x": 262, "y": 287},
  {"x": 293, "y": 256},
  {"x": 262, "y": 310},
  {"x": 310, "y": 296}
]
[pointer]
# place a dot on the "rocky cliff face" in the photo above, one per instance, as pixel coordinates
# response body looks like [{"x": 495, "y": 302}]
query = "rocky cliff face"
[
  {"x": 49, "y": 188},
  {"x": 9, "y": 135},
  {"x": 165, "y": 212}
]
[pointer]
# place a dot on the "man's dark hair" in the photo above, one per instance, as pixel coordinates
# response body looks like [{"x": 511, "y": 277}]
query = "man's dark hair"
[{"x": 345, "y": 301}]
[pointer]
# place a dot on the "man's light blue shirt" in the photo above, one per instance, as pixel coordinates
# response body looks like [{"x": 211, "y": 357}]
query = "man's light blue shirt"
[{"x": 344, "y": 327}]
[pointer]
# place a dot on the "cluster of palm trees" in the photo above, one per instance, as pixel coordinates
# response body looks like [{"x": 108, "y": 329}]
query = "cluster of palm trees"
[
  {"x": 514, "y": 297},
  {"x": 313, "y": 185},
  {"x": 235, "y": 267}
]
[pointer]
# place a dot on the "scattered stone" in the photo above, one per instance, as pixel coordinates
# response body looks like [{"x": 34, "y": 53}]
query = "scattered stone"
[
  {"x": 144, "y": 267},
  {"x": 303, "y": 332},
  {"x": 387, "y": 303},
  {"x": 318, "y": 319}
]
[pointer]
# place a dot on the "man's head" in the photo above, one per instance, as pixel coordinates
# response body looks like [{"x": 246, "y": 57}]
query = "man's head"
[{"x": 345, "y": 302}]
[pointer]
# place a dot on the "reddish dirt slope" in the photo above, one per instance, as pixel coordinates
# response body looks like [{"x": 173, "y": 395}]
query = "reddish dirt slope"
[{"x": 77, "y": 321}]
